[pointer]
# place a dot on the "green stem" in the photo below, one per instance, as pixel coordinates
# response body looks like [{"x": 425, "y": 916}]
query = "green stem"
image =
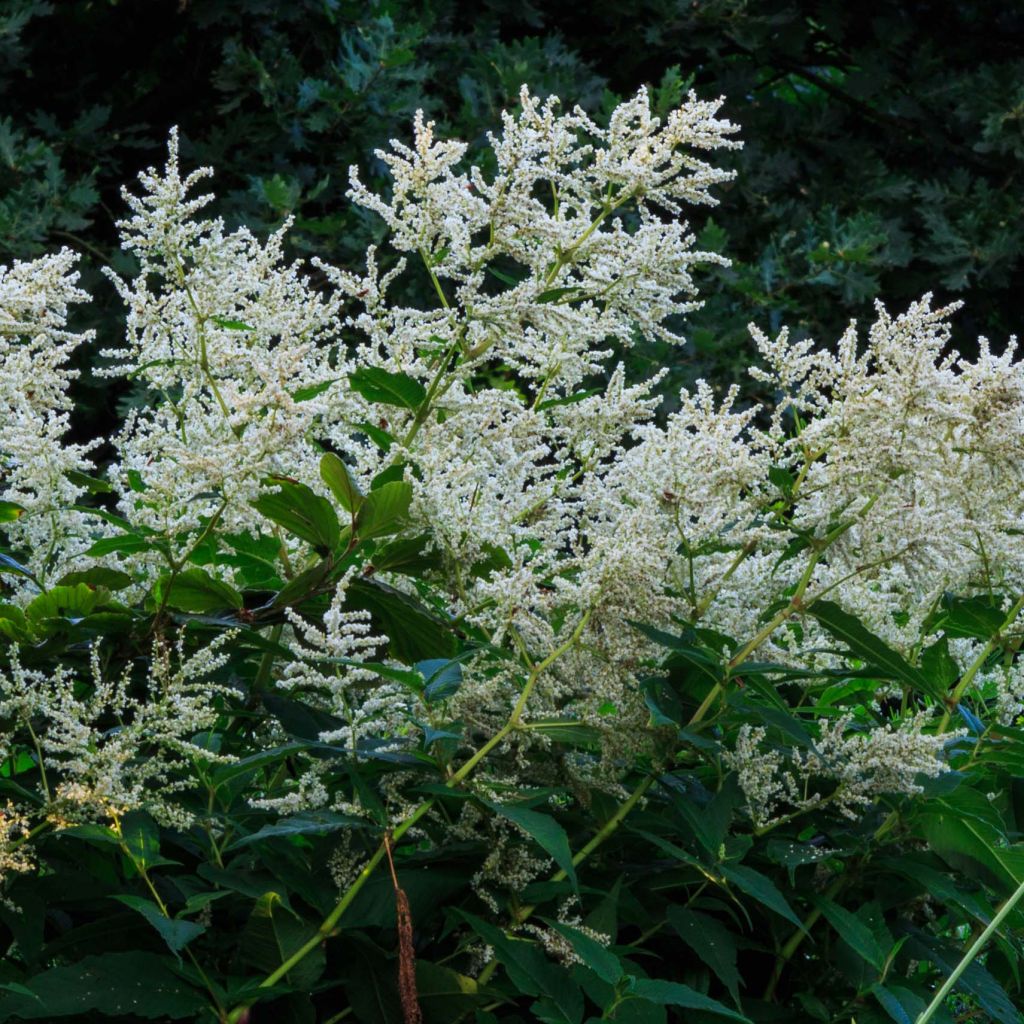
[
  {"x": 604, "y": 833},
  {"x": 797, "y": 937},
  {"x": 267, "y": 661},
  {"x": 741, "y": 556},
  {"x": 795, "y": 604},
  {"x": 513, "y": 722},
  {"x": 975, "y": 667},
  {"x": 425, "y": 407},
  {"x": 39, "y": 756},
  {"x": 162, "y": 907},
  {"x": 329, "y": 924},
  {"x": 434, "y": 280},
  {"x": 969, "y": 957},
  {"x": 29, "y": 836}
]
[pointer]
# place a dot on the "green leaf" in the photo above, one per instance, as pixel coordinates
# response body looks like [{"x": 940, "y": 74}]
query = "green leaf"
[
  {"x": 794, "y": 855},
  {"x": 129, "y": 544},
  {"x": 504, "y": 278},
  {"x": 902, "y": 1005},
  {"x": 336, "y": 475},
  {"x": 958, "y": 830},
  {"x": 528, "y": 968},
  {"x": 976, "y": 980},
  {"x": 385, "y": 510},
  {"x": 195, "y": 590},
  {"x": 864, "y": 644},
  {"x": 91, "y": 832},
  {"x": 272, "y": 934},
  {"x": 977, "y": 617},
  {"x": 407, "y": 555},
  {"x": 309, "y": 823},
  {"x": 302, "y": 513},
  {"x": 226, "y": 772},
  {"x": 13, "y": 624},
  {"x": 671, "y": 993},
  {"x": 415, "y": 633},
  {"x": 98, "y": 576},
  {"x": 566, "y": 730},
  {"x": 89, "y": 483},
  {"x": 380, "y": 437},
  {"x": 141, "y": 837},
  {"x": 712, "y": 942},
  {"x": 303, "y": 586},
  {"x": 378, "y": 385},
  {"x": 572, "y": 399},
  {"x": 556, "y": 294},
  {"x": 547, "y": 833},
  {"x": 762, "y": 889},
  {"x": 71, "y": 602},
  {"x": 939, "y": 665},
  {"x": 122, "y": 985},
  {"x": 177, "y": 934},
  {"x": 313, "y": 391},
  {"x": 231, "y": 325},
  {"x": 441, "y": 677},
  {"x": 604, "y": 963},
  {"x": 396, "y": 471},
  {"x": 853, "y": 931},
  {"x": 10, "y": 511},
  {"x": 686, "y": 653},
  {"x": 443, "y": 993}
]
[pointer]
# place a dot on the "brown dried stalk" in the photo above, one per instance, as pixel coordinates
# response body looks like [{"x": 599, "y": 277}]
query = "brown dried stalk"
[{"x": 406, "y": 954}]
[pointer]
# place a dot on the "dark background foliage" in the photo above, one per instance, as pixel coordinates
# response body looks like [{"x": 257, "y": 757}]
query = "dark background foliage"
[{"x": 884, "y": 140}]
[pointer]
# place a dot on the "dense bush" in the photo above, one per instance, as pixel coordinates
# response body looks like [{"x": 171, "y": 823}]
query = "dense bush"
[{"x": 392, "y": 661}]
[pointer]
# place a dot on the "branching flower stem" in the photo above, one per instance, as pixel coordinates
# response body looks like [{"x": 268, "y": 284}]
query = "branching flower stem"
[{"x": 330, "y": 923}]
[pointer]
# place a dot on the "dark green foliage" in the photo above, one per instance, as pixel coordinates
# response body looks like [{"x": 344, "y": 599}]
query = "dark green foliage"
[
  {"x": 814, "y": 918},
  {"x": 883, "y": 141}
]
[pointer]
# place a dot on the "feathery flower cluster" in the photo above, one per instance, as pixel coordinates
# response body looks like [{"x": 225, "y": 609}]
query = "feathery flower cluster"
[
  {"x": 113, "y": 745},
  {"x": 237, "y": 350},
  {"x": 859, "y": 764},
  {"x": 36, "y": 490}
]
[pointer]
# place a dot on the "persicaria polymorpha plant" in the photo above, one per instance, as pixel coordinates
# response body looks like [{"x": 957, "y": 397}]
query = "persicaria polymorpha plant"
[{"x": 398, "y": 562}]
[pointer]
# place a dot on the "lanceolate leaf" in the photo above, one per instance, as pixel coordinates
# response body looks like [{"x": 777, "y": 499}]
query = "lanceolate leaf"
[
  {"x": 384, "y": 510},
  {"x": 415, "y": 632},
  {"x": 120, "y": 985},
  {"x": 195, "y": 590},
  {"x": 712, "y": 942},
  {"x": 377, "y": 385},
  {"x": 301, "y": 512},
  {"x": 528, "y": 968},
  {"x": 339, "y": 479},
  {"x": 864, "y": 644},
  {"x": 177, "y": 934},
  {"x": 671, "y": 993},
  {"x": 309, "y": 823},
  {"x": 545, "y": 830},
  {"x": 762, "y": 889},
  {"x": 853, "y": 932},
  {"x": 604, "y": 963}
]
